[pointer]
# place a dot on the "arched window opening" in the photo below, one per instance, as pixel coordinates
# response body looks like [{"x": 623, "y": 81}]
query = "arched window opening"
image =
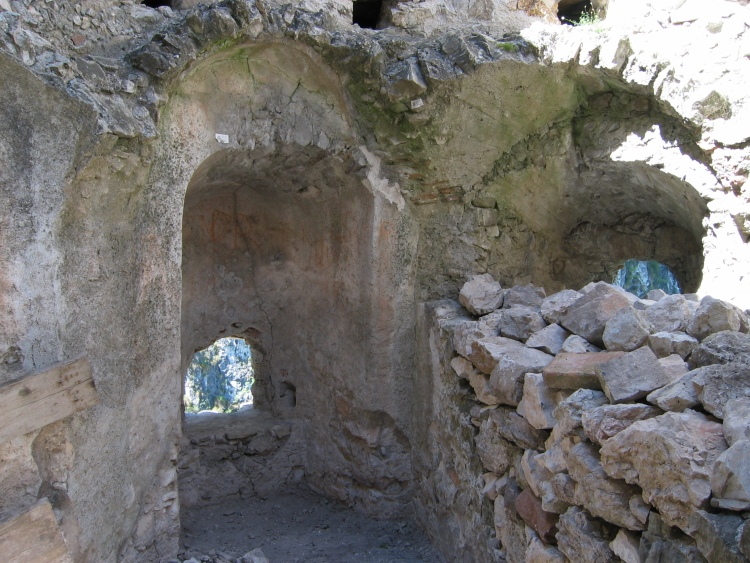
[
  {"x": 220, "y": 377},
  {"x": 575, "y": 12},
  {"x": 641, "y": 276},
  {"x": 366, "y": 13}
]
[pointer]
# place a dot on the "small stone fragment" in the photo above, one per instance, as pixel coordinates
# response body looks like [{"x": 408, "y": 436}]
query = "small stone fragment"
[
  {"x": 519, "y": 323},
  {"x": 717, "y": 536},
  {"x": 669, "y": 314},
  {"x": 584, "y": 540},
  {"x": 529, "y": 296},
  {"x": 576, "y": 371},
  {"x": 529, "y": 508},
  {"x": 730, "y": 481},
  {"x": 549, "y": 340},
  {"x": 574, "y": 344},
  {"x": 737, "y": 420},
  {"x": 588, "y": 315},
  {"x": 481, "y": 294},
  {"x": 556, "y": 305},
  {"x": 721, "y": 348},
  {"x": 712, "y": 316},
  {"x": 627, "y": 330},
  {"x": 601, "y": 423},
  {"x": 632, "y": 376},
  {"x": 660, "y": 455},
  {"x": 626, "y": 546},
  {"x": 539, "y": 401}
]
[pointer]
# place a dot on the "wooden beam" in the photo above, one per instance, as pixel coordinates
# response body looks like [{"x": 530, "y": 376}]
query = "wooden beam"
[
  {"x": 34, "y": 401},
  {"x": 34, "y": 536}
]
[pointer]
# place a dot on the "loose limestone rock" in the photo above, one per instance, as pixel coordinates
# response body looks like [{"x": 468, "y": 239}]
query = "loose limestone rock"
[
  {"x": 602, "y": 496},
  {"x": 582, "y": 539},
  {"x": 574, "y": 344},
  {"x": 469, "y": 332},
  {"x": 737, "y": 420},
  {"x": 664, "y": 543},
  {"x": 717, "y": 384},
  {"x": 507, "y": 377},
  {"x": 519, "y": 323},
  {"x": 556, "y": 305},
  {"x": 601, "y": 423},
  {"x": 677, "y": 396},
  {"x": 478, "y": 381},
  {"x": 513, "y": 427},
  {"x": 539, "y": 552},
  {"x": 667, "y": 343},
  {"x": 576, "y": 371},
  {"x": 626, "y": 546},
  {"x": 529, "y": 508},
  {"x": 717, "y": 536},
  {"x": 510, "y": 529},
  {"x": 627, "y": 330},
  {"x": 481, "y": 294},
  {"x": 721, "y": 348},
  {"x": 539, "y": 401},
  {"x": 671, "y": 458},
  {"x": 569, "y": 412},
  {"x": 713, "y": 316},
  {"x": 730, "y": 481},
  {"x": 674, "y": 366},
  {"x": 549, "y": 340},
  {"x": 588, "y": 316},
  {"x": 632, "y": 376},
  {"x": 669, "y": 314},
  {"x": 656, "y": 294},
  {"x": 496, "y": 453},
  {"x": 529, "y": 296},
  {"x": 486, "y": 353}
]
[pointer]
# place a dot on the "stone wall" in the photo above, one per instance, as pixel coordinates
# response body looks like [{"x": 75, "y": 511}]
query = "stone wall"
[
  {"x": 387, "y": 166},
  {"x": 588, "y": 454}
]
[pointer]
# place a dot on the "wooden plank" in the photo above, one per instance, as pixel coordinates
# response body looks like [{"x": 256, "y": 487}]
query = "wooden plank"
[
  {"x": 34, "y": 536},
  {"x": 34, "y": 401}
]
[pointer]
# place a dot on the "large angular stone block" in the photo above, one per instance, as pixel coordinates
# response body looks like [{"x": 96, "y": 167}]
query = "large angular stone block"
[
  {"x": 583, "y": 539},
  {"x": 588, "y": 315},
  {"x": 627, "y": 330},
  {"x": 712, "y": 316},
  {"x": 556, "y": 305},
  {"x": 601, "y": 423},
  {"x": 730, "y": 481},
  {"x": 549, "y": 340},
  {"x": 576, "y": 371},
  {"x": 632, "y": 376},
  {"x": 659, "y": 455},
  {"x": 506, "y": 379}
]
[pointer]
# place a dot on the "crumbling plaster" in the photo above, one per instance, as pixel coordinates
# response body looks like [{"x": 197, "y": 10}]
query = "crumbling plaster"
[{"x": 480, "y": 160}]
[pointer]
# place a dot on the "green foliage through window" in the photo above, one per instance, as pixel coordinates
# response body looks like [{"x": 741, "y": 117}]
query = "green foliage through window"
[
  {"x": 640, "y": 277},
  {"x": 220, "y": 377}
]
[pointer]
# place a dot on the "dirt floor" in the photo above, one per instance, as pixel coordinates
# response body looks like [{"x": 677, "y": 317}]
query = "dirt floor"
[{"x": 299, "y": 526}]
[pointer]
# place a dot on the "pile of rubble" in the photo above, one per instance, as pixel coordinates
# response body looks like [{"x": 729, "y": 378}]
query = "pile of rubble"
[{"x": 610, "y": 427}]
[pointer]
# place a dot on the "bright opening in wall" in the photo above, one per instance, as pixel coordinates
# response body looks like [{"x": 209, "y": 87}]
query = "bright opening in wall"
[
  {"x": 220, "y": 377},
  {"x": 575, "y": 12},
  {"x": 641, "y": 276}
]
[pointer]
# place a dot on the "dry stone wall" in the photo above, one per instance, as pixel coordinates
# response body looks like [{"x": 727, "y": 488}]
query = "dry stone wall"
[{"x": 608, "y": 427}]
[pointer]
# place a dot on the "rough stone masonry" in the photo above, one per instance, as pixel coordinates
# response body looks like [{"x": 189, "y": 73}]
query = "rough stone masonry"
[{"x": 271, "y": 171}]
